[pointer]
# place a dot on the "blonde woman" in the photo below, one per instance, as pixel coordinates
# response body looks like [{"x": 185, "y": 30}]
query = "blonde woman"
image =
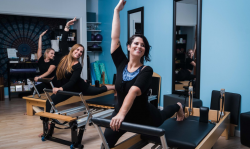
[{"x": 46, "y": 64}]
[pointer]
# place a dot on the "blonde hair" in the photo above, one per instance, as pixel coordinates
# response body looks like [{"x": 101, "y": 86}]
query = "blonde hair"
[
  {"x": 66, "y": 62},
  {"x": 47, "y": 51}
]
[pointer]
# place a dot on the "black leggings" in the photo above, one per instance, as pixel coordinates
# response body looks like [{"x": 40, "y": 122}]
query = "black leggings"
[
  {"x": 157, "y": 117},
  {"x": 91, "y": 90}
]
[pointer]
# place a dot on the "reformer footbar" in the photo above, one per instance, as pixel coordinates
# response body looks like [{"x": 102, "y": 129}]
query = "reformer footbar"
[
  {"x": 201, "y": 133},
  {"x": 74, "y": 123}
]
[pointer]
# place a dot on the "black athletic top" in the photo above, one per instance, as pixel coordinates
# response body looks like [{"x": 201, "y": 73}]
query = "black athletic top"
[
  {"x": 44, "y": 66},
  {"x": 139, "y": 112},
  {"x": 72, "y": 81},
  {"x": 189, "y": 66}
]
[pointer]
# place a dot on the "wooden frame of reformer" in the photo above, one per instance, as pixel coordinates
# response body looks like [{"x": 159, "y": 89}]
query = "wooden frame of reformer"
[
  {"x": 41, "y": 102},
  {"x": 223, "y": 126}
]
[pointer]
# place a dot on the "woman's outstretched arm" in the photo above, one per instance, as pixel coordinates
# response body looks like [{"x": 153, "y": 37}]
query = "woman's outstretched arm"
[
  {"x": 39, "y": 50},
  {"x": 115, "y": 33},
  {"x": 64, "y": 43}
]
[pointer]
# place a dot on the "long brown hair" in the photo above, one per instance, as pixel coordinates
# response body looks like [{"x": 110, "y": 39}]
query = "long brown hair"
[{"x": 66, "y": 62}]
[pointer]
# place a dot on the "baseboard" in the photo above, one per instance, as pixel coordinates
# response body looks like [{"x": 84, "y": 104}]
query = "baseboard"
[
  {"x": 159, "y": 107},
  {"x": 237, "y": 133}
]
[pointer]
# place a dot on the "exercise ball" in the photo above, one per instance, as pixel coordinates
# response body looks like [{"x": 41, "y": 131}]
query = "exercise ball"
[
  {"x": 92, "y": 37},
  {"x": 98, "y": 37}
]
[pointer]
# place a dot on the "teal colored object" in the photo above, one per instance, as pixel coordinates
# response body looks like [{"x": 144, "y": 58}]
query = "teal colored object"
[
  {"x": 92, "y": 71},
  {"x": 97, "y": 72},
  {"x": 6, "y": 92},
  {"x": 102, "y": 69},
  {"x": 88, "y": 35},
  {"x": 91, "y": 17}
]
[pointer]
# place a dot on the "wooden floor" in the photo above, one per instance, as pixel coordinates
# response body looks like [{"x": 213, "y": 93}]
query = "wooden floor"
[{"x": 21, "y": 131}]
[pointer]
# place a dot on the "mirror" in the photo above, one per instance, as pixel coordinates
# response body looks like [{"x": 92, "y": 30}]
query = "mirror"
[
  {"x": 136, "y": 21},
  {"x": 186, "y": 46}
]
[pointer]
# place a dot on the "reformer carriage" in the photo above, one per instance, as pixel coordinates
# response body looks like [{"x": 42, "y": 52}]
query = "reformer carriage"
[
  {"x": 101, "y": 107},
  {"x": 200, "y": 129}
]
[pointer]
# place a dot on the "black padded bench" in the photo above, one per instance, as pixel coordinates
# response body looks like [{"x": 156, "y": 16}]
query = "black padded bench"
[
  {"x": 108, "y": 100},
  {"x": 186, "y": 134}
]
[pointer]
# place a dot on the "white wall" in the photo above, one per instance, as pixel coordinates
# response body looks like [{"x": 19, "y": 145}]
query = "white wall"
[
  {"x": 186, "y": 14},
  {"x": 52, "y": 9},
  {"x": 135, "y": 17}
]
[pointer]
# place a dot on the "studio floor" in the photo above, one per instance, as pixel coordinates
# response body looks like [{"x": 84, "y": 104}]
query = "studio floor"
[{"x": 21, "y": 131}]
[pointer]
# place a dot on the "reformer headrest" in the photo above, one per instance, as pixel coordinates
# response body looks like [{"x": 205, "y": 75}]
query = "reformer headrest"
[
  {"x": 136, "y": 128},
  {"x": 232, "y": 104},
  {"x": 44, "y": 80},
  {"x": 41, "y": 80},
  {"x": 63, "y": 92}
]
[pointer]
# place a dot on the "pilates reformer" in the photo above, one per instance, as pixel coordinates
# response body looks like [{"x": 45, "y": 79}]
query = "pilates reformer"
[
  {"x": 200, "y": 129},
  {"x": 39, "y": 80},
  {"x": 77, "y": 124}
]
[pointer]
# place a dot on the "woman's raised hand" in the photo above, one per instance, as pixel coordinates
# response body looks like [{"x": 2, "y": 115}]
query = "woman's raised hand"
[
  {"x": 120, "y": 5},
  {"x": 71, "y": 22},
  {"x": 43, "y": 33}
]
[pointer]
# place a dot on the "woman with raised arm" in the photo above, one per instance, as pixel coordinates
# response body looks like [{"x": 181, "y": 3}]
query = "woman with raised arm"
[
  {"x": 68, "y": 73},
  {"x": 46, "y": 64},
  {"x": 132, "y": 84}
]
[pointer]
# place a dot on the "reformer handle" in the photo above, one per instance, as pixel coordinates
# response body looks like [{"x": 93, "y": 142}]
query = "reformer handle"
[
  {"x": 64, "y": 92},
  {"x": 131, "y": 127}
]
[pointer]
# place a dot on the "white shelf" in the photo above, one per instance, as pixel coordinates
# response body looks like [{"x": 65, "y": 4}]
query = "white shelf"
[
  {"x": 94, "y": 41},
  {"x": 94, "y": 22},
  {"x": 94, "y": 30}
]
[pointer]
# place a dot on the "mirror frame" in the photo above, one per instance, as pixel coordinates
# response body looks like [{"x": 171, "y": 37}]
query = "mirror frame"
[
  {"x": 198, "y": 49},
  {"x": 142, "y": 18}
]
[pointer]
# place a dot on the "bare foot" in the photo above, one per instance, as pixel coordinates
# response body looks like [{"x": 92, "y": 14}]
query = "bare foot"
[
  {"x": 110, "y": 87},
  {"x": 41, "y": 134},
  {"x": 180, "y": 114}
]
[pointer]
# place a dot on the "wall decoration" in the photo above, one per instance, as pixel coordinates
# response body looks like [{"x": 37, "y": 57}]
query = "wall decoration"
[{"x": 22, "y": 33}]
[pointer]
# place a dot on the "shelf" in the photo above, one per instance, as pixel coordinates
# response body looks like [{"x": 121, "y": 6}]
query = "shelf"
[
  {"x": 94, "y": 51},
  {"x": 94, "y": 22},
  {"x": 94, "y": 41},
  {"x": 23, "y": 62},
  {"x": 94, "y": 30}
]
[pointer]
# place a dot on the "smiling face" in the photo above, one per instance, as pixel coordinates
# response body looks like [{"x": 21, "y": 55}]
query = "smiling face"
[
  {"x": 137, "y": 47},
  {"x": 190, "y": 53},
  {"x": 51, "y": 54},
  {"x": 77, "y": 53}
]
